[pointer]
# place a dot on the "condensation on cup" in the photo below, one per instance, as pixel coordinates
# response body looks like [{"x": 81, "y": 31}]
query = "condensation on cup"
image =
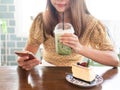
[{"x": 60, "y": 29}]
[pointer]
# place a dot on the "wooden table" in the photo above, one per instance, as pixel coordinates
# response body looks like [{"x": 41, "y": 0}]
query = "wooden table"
[{"x": 53, "y": 78}]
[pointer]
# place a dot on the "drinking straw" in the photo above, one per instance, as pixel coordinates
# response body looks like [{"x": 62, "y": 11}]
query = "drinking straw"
[{"x": 63, "y": 19}]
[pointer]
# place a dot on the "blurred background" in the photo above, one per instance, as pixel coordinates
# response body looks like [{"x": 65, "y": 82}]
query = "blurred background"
[{"x": 16, "y": 17}]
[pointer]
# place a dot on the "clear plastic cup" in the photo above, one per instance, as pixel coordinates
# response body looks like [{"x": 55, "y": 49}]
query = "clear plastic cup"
[{"x": 59, "y": 30}]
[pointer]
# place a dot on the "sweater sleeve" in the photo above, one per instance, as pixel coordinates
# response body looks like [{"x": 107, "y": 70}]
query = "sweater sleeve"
[
  {"x": 36, "y": 31},
  {"x": 99, "y": 38}
]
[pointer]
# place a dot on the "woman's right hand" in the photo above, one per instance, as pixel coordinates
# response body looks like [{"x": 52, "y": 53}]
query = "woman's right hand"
[{"x": 27, "y": 64}]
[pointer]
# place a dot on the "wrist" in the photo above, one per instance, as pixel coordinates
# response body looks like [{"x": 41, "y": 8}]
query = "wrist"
[{"x": 79, "y": 49}]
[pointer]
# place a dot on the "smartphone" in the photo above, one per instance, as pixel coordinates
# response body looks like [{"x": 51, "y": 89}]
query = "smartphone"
[{"x": 25, "y": 53}]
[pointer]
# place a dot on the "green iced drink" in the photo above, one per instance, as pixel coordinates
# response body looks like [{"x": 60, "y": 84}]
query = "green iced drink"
[{"x": 61, "y": 48}]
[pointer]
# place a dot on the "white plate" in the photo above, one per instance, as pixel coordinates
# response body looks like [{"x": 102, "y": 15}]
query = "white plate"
[{"x": 71, "y": 79}]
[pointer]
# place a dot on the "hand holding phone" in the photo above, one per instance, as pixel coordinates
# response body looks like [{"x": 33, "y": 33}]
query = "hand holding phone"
[{"x": 25, "y": 53}]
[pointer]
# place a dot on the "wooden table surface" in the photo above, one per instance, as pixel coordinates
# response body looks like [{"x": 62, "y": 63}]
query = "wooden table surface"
[{"x": 53, "y": 78}]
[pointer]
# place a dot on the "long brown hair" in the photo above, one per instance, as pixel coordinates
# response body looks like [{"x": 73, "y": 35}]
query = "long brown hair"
[{"x": 78, "y": 11}]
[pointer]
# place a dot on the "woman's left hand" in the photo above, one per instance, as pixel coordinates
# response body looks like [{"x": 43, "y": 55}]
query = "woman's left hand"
[{"x": 72, "y": 41}]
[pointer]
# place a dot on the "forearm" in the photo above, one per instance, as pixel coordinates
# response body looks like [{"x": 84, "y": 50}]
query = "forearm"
[
  {"x": 104, "y": 57},
  {"x": 31, "y": 48}
]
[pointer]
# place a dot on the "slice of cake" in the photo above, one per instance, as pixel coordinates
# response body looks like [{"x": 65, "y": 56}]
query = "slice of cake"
[{"x": 83, "y": 73}]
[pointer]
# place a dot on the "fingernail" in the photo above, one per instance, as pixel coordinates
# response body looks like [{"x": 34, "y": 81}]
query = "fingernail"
[{"x": 27, "y": 57}]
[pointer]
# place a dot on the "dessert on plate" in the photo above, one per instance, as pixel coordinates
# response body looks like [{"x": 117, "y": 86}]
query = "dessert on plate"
[{"x": 83, "y": 72}]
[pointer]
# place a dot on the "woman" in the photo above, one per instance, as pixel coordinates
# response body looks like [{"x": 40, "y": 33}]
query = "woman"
[{"x": 90, "y": 38}]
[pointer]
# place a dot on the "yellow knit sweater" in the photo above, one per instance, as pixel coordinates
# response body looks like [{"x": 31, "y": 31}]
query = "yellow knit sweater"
[{"x": 95, "y": 36}]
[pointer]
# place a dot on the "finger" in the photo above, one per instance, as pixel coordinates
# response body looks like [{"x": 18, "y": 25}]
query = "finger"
[
  {"x": 37, "y": 61},
  {"x": 69, "y": 38},
  {"x": 67, "y": 34},
  {"x": 21, "y": 59},
  {"x": 30, "y": 64},
  {"x": 70, "y": 44},
  {"x": 26, "y": 66},
  {"x": 20, "y": 62}
]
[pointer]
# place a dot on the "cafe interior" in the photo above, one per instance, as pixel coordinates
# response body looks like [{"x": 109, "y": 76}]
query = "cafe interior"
[{"x": 16, "y": 17}]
